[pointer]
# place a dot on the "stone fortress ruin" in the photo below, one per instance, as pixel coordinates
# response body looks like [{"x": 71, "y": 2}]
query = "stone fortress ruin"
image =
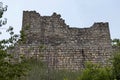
[{"x": 49, "y": 39}]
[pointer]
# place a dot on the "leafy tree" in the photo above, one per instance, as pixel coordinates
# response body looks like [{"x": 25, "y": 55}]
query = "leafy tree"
[
  {"x": 116, "y": 42},
  {"x": 10, "y": 68},
  {"x": 2, "y": 10}
]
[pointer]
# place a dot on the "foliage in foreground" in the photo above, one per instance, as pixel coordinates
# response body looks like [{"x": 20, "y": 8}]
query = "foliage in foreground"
[
  {"x": 96, "y": 72},
  {"x": 116, "y": 66},
  {"x": 2, "y": 10},
  {"x": 116, "y": 42},
  {"x": 39, "y": 71},
  {"x": 10, "y": 68}
]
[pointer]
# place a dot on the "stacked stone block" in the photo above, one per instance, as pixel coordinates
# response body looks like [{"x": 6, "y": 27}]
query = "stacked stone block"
[{"x": 64, "y": 47}]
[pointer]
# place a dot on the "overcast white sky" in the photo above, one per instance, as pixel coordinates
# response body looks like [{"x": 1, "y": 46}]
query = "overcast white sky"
[{"x": 77, "y": 13}]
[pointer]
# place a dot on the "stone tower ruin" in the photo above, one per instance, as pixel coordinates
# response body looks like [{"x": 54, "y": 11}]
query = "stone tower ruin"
[{"x": 60, "y": 46}]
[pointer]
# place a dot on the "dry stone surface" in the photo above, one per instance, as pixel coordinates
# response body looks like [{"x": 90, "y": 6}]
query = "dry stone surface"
[{"x": 63, "y": 47}]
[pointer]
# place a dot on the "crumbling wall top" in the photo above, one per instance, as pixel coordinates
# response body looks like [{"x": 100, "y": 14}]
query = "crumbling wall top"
[
  {"x": 100, "y": 24},
  {"x": 31, "y": 12}
]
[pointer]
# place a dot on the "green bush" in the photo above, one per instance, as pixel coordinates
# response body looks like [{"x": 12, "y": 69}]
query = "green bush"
[
  {"x": 95, "y": 72},
  {"x": 116, "y": 65}
]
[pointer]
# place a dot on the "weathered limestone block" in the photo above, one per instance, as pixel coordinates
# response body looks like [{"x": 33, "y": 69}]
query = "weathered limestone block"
[{"x": 64, "y": 47}]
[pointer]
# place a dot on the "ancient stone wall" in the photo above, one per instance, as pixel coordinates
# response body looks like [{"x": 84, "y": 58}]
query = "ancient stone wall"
[{"x": 64, "y": 47}]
